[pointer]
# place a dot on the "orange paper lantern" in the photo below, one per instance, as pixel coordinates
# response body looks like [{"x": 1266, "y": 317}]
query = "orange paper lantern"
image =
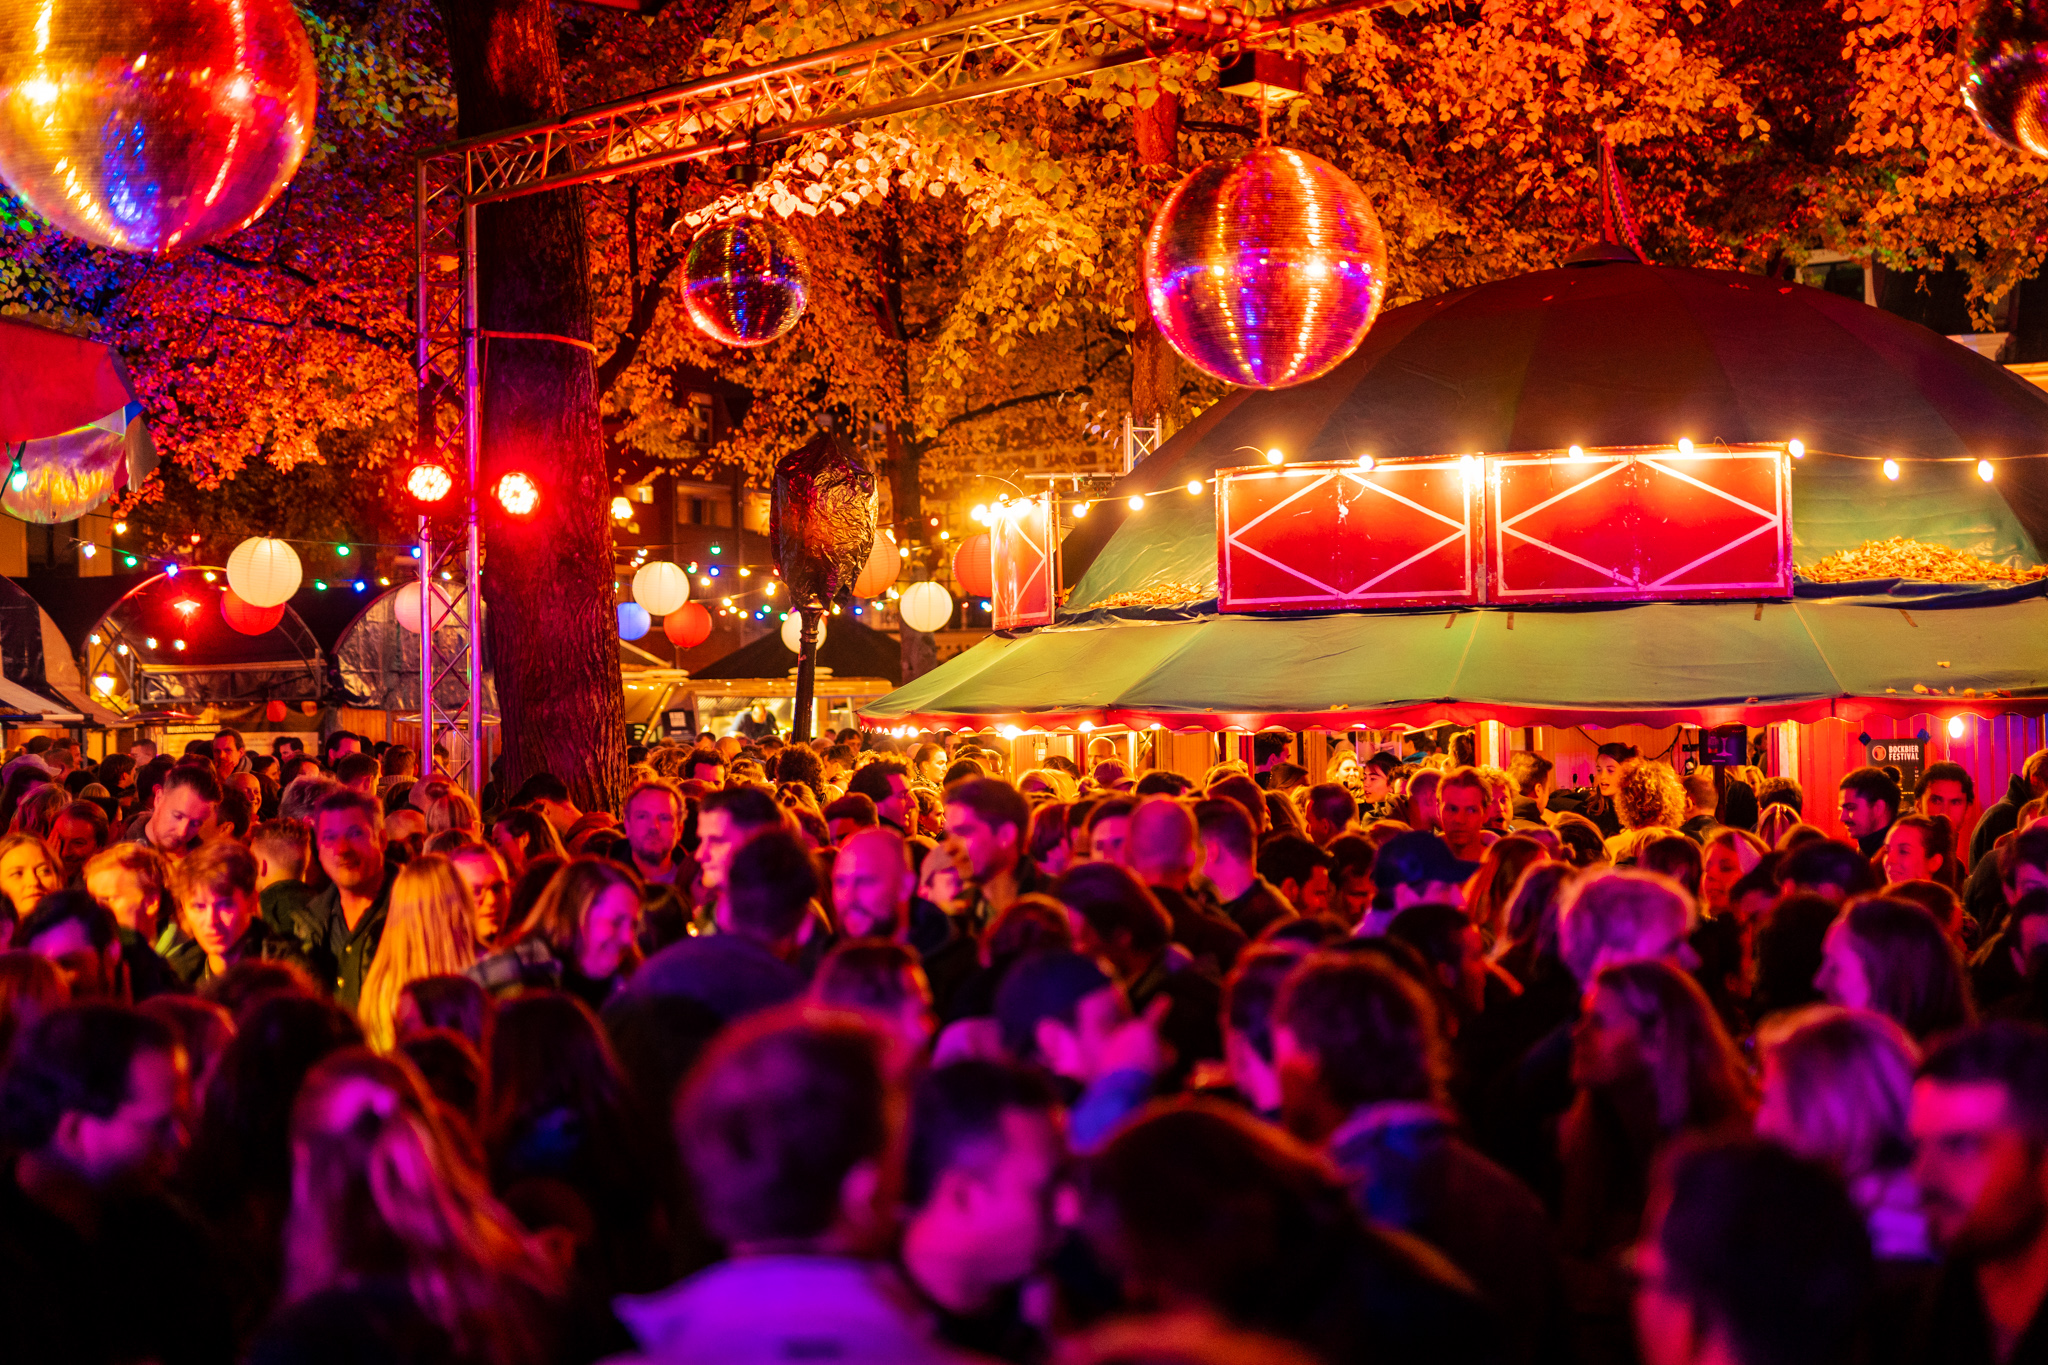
[
  {"x": 247, "y": 619},
  {"x": 274, "y": 712},
  {"x": 974, "y": 566},
  {"x": 688, "y": 626}
]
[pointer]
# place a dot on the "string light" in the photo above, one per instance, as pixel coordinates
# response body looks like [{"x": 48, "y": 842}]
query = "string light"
[
  {"x": 1891, "y": 470},
  {"x": 1365, "y": 462},
  {"x": 88, "y": 549},
  {"x": 1955, "y": 727},
  {"x": 1080, "y": 509},
  {"x": 1685, "y": 445},
  {"x": 1797, "y": 447},
  {"x": 1137, "y": 502},
  {"x": 1194, "y": 487},
  {"x": 1985, "y": 471},
  {"x": 120, "y": 528},
  {"x": 1274, "y": 456},
  {"x": 1576, "y": 453}
]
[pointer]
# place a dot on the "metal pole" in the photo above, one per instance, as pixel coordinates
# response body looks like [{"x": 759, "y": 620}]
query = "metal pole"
[
  {"x": 472, "y": 440},
  {"x": 806, "y": 674}
]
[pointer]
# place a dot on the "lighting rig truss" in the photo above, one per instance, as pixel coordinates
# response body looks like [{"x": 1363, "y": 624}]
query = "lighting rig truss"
[{"x": 985, "y": 51}]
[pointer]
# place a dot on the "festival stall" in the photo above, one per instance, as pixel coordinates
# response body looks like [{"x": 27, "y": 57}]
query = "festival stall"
[{"x": 1606, "y": 495}]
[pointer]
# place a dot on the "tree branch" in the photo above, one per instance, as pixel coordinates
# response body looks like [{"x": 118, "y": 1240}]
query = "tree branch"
[
  {"x": 245, "y": 263},
  {"x": 646, "y": 304},
  {"x": 990, "y": 409}
]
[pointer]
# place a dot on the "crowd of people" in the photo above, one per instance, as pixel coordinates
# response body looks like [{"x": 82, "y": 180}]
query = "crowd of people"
[{"x": 864, "y": 1050}]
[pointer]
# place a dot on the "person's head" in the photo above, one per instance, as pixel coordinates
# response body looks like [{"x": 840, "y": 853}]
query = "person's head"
[
  {"x": 548, "y": 797},
  {"x": 1530, "y": 772},
  {"x": 1945, "y": 789},
  {"x": 358, "y": 772},
  {"x": 1647, "y": 794},
  {"x": 228, "y": 750},
  {"x": 216, "y": 889},
  {"x": 1979, "y": 1123},
  {"x": 654, "y": 820},
  {"x": 142, "y": 751},
  {"x": 1115, "y": 915},
  {"x": 79, "y": 831},
  {"x": 1836, "y": 1087},
  {"x": 1727, "y": 857},
  {"x": 1229, "y": 839},
  {"x": 1869, "y": 801},
  {"x": 885, "y": 982},
  {"x": 1894, "y": 957},
  {"x": 1919, "y": 848},
  {"x": 1607, "y": 763},
  {"x": 1163, "y": 843},
  {"x": 31, "y": 985},
  {"x": 1351, "y": 1030},
  {"x": 78, "y": 934},
  {"x": 1530, "y": 921},
  {"x": 704, "y": 765},
  {"x": 98, "y": 1090},
  {"x": 454, "y": 1003},
  {"x": 987, "y": 822},
  {"x": 430, "y": 930},
  {"x": 789, "y": 1126},
  {"x": 282, "y": 849},
  {"x": 1779, "y": 791},
  {"x": 2023, "y": 862},
  {"x": 379, "y": 1188},
  {"x": 725, "y": 820},
  {"x": 1109, "y": 824},
  {"x": 1418, "y": 869},
  {"x": 1461, "y": 805},
  {"x": 348, "y": 831},
  {"x": 872, "y": 884},
  {"x": 1453, "y": 950},
  {"x": 129, "y": 879},
  {"x": 1329, "y": 811},
  {"x": 1494, "y": 884},
  {"x": 986, "y": 1147},
  {"x": 1751, "y": 1255},
  {"x": 1249, "y": 993},
  {"x": 770, "y": 884},
  {"x": 587, "y": 916},
  {"x": 187, "y": 804},
  {"x": 1828, "y": 868},
  {"x": 28, "y": 872},
  {"x": 1059, "y": 1009},
  {"x": 1648, "y": 1020}
]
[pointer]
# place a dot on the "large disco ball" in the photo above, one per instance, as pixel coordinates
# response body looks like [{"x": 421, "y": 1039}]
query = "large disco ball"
[
  {"x": 1266, "y": 270},
  {"x": 2005, "y": 62},
  {"x": 153, "y": 125},
  {"x": 745, "y": 283}
]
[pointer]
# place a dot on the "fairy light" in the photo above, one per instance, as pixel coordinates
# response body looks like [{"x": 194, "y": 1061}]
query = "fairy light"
[
  {"x": 1366, "y": 462},
  {"x": 1985, "y": 471},
  {"x": 1137, "y": 502},
  {"x": 1685, "y": 445},
  {"x": 1080, "y": 510},
  {"x": 1194, "y": 487},
  {"x": 1891, "y": 470},
  {"x": 1577, "y": 452},
  {"x": 1797, "y": 448},
  {"x": 1955, "y": 727},
  {"x": 1274, "y": 456}
]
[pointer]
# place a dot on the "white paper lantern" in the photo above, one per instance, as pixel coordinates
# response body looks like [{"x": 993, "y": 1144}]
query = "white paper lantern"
[
  {"x": 264, "y": 572},
  {"x": 661, "y": 587},
  {"x": 405, "y": 605},
  {"x": 925, "y": 606},
  {"x": 792, "y": 628}
]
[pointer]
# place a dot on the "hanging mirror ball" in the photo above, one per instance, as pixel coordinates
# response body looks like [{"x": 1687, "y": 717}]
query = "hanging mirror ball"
[
  {"x": 1265, "y": 270},
  {"x": 745, "y": 282},
  {"x": 153, "y": 126},
  {"x": 2005, "y": 71}
]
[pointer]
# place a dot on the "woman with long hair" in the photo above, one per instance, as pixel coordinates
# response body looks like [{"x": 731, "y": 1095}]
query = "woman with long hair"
[
  {"x": 1837, "y": 1085},
  {"x": 393, "y": 1243},
  {"x": 1493, "y": 888},
  {"x": 1921, "y": 848},
  {"x": 1726, "y": 858},
  {"x": 1600, "y": 806},
  {"x": 523, "y": 835},
  {"x": 29, "y": 871},
  {"x": 429, "y": 931},
  {"x": 1891, "y": 955},
  {"x": 39, "y": 810},
  {"x": 579, "y": 936}
]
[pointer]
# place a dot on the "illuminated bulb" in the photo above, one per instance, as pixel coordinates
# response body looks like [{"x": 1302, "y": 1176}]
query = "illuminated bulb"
[
  {"x": 210, "y": 576},
  {"x": 1086, "y": 726},
  {"x": 104, "y": 682},
  {"x": 1080, "y": 510},
  {"x": 980, "y": 512},
  {"x": 1137, "y": 502},
  {"x": 1955, "y": 727},
  {"x": 903, "y": 553},
  {"x": 945, "y": 535},
  {"x": 1685, "y": 445},
  {"x": 1797, "y": 448},
  {"x": 746, "y": 572},
  {"x": 1365, "y": 462},
  {"x": 341, "y": 550},
  {"x": 121, "y": 650},
  {"x": 1985, "y": 471},
  {"x": 1155, "y": 725},
  {"x": 770, "y": 590},
  {"x": 1891, "y": 470},
  {"x": 621, "y": 509},
  {"x": 120, "y": 528},
  {"x": 89, "y": 550},
  {"x": 178, "y": 644},
  {"x": 95, "y": 639},
  {"x": 1274, "y": 456},
  {"x": 1194, "y": 486},
  {"x": 1577, "y": 452},
  {"x": 705, "y": 581},
  {"x": 149, "y": 643}
]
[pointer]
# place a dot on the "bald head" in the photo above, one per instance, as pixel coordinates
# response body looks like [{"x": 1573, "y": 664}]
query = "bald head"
[
  {"x": 1162, "y": 846},
  {"x": 872, "y": 882}
]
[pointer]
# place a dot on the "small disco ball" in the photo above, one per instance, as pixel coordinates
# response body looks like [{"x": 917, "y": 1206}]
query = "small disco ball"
[
  {"x": 2005, "y": 71},
  {"x": 1266, "y": 270},
  {"x": 745, "y": 283},
  {"x": 153, "y": 126}
]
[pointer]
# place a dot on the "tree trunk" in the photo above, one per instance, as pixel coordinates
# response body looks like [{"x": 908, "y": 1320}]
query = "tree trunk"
[
  {"x": 551, "y": 634},
  {"x": 1155, "y": 369}
]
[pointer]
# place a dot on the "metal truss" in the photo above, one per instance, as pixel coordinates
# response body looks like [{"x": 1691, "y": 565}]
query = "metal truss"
[
  {"x": 989, "y": 50},
  {"x": 451, "y": 653}
]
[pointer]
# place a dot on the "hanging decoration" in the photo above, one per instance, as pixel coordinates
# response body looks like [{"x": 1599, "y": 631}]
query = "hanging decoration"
[
  {"x": 153, "y": 126},
  {"x": 885, "y": 562},
  {"x": 634, "y": 621},
  {"x": 745, "y": 282},
  {"x": 247, "y": 619},
  {"x": 405, "y": 605},
  {"x": 822, "y": 521},
  {"x": 926, "y": 607},
  {"x": 2005, "y": 72},
  {"x": 974, "y": 565},
  {"x": 274, "y": 711},
  {"x": 791, "y": 625},
  {"x": 1266, "y": 270},
  {"x": 688, "y": 627},
  {"x": 265, "y": 572},
  {"x": 661, "y": 587}
]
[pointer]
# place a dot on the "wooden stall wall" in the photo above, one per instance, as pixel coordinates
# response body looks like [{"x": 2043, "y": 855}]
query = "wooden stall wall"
[
  {"x": 1991, "y": 748},
  {"x": 1572, "y": 749}
]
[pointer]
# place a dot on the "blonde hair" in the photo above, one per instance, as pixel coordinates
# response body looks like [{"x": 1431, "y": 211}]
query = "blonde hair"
[
  {"x": 376, "y": 1179},
  {"x": 450, "y": 808},
  {"x": 1648, "y": 793},
  {"x": 1837, "y": 1087},
  {"x": 429, "y": 931}
]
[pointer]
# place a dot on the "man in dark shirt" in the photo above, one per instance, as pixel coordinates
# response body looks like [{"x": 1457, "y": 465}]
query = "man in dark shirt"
[
  {"x": 986, "y": 1149},
  {"x": 1163, "y": 848},
  {"x": 94, "y": 1265},
  {"x": 1229, "y": 847},
  {"x": 348, "y": 833}
]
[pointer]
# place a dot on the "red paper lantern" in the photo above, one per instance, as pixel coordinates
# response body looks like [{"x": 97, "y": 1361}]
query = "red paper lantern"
[
  {"x": 247, "y": 619},
  {"x": 688, "y": 626},
  {"x": 274, "y": 712},
  {"x": 974, "y": 566}
]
